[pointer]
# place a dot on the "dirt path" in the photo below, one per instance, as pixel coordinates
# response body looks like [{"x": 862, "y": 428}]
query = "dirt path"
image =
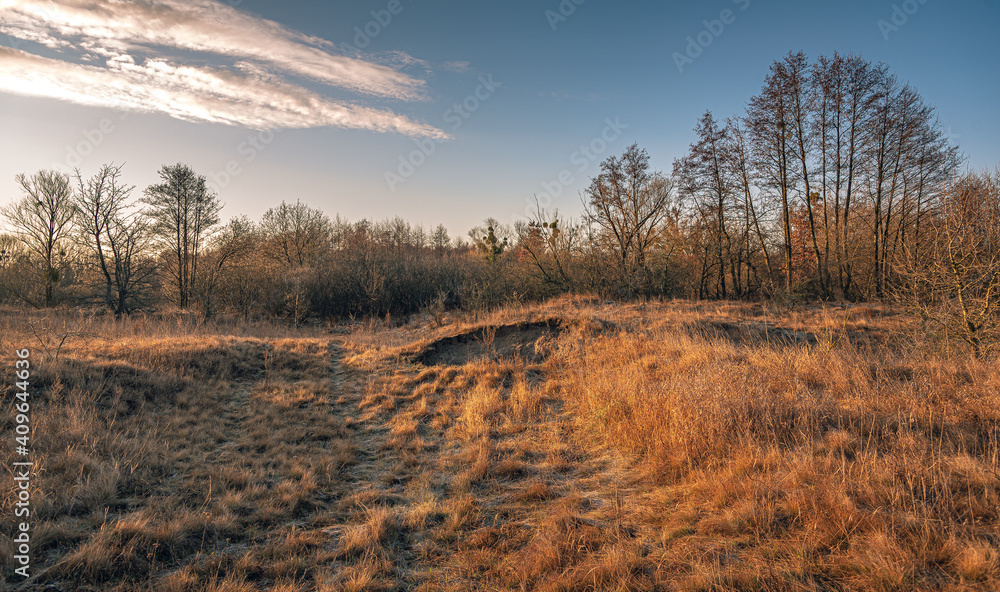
[
  {"x": 376, "y": 548},
  {"x": 458, "y": 486}
]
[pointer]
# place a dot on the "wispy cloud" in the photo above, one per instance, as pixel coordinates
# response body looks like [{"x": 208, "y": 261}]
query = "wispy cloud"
[
  {"x": 193, "y": 93},
  {"x": 459, "y": 67},
  {"x": 247, "y": 84}
]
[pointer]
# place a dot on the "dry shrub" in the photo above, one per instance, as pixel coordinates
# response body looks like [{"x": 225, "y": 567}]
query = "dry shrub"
[
  {"x": 369, "y": 536},
  {"x": 535, "y": 491},
  {"x": 132, "y": 546}
]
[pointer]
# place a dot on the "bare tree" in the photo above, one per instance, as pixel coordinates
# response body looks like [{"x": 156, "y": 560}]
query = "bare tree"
[
  {"x": 296, "y": 234},
  {"x": 769, "y": 123},
  {"x": 800, "y": 87},
  {"x": 232, "y": 246},
  {"x": 184, "y": 212},
  {"x": 42, "y": 219},
  {"x": 628, "y": 203},
  {"x": 853, "y": 159},
  {"x": 855, "y": 126},
  {"x": 549, "y": 242},
  {"x": 739, "y": 162},
  {"x": 440, "y": 239},
  {"x": 704, "y": 177},
  {"x": 116, "y": 235},
  {"x": 933, "y": 163},
  {"x": 884, "y": 158},
  {"x": 957, "y": 285}
]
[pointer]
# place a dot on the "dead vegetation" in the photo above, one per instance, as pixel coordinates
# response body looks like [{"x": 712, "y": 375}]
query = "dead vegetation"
[
  {"x": 171, "y": 457},
  {"x": 669, "y": 446}
]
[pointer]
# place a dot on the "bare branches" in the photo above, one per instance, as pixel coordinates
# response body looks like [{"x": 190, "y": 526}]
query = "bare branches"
[
  {"x": 550, "y": 242},
  {"x": 629, "y": 202},
  {"x": 296, "y": 234},
  {"x": 42, "y": 221},
  {"x": 956, "y": 282},
  {"x": 706, "y": 179},
  {"x": 183, "y": 212},
  {"x": 116, "y": 234}
]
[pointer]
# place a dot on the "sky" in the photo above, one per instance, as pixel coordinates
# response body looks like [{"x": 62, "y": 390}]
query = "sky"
[{"x": 438, "y": 111}]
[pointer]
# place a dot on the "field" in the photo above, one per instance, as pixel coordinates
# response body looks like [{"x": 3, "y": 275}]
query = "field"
[{"x": 573, "y": 445}]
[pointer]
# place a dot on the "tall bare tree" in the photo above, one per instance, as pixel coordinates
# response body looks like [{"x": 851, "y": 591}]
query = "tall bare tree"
[
  {"x": 703, "y": 176},
  {"x": 116, "y": 235},
  {"x": 184, "y": 212},
  {"x": 855, "y": 121},
  {"x": 800, "y": 88},
  {"x": 42, "y": 220},
  {"x": 739, "y": 162},
  {"x": 854, "y": 158},
  {"x": 770, "y": 127}
]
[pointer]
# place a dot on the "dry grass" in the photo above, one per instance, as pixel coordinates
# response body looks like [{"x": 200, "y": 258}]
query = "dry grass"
[
  {"x": 658, "y": 446},
  {"x": 873, "y": 467},
  {"x": 172, "y": 455},
  {"x": 711, "y": 446}
]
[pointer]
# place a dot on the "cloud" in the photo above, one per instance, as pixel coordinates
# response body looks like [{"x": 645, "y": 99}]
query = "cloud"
[
  {"x": 459, "y": 67},
  {"x": 246, "y": 98},
  {"x": 246, "y": 85},
  {"x": 399, "y": 59}
]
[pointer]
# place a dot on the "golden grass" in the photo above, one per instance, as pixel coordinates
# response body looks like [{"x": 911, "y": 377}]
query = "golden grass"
[
  {"x": 656, "y": 446},
  {"x": 714, "y": 446},
  {"x": 875, "y": 467},
  {"x": 172, "y": 455}
]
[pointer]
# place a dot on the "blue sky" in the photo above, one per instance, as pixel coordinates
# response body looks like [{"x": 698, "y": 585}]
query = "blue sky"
[{"x": 377, "y": 133}]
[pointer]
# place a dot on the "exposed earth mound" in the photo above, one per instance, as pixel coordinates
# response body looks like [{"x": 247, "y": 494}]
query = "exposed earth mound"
[
  {"x": 528, "y": 341},
  {"x": 751, "y": 333}
]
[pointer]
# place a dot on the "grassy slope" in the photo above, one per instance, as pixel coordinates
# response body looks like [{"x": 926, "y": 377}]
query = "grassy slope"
[{"x": 659, "y": 446}]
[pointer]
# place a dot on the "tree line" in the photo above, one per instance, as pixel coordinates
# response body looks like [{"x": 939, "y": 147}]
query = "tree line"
[
  {"x": 846, "y": 159},
  {"x": 836, "y": 182}
]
